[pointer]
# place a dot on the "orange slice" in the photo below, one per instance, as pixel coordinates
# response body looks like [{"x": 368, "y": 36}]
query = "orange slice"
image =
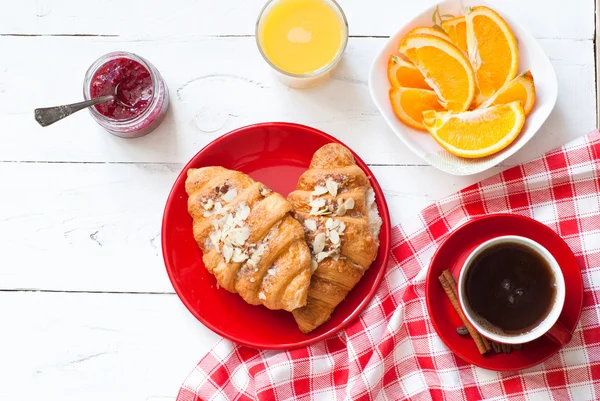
[
  {"x": 445, "y": 67},
  {"x": 492, "y": 50},
  {"x": 456, "y": 28},
  {"x": 427, "y": 30},
  {"x": 404, "y": 73},
  {"x": 476, "y": 133},
  {"x": 521, "y": 88},
  {"x": 410, "y": 103}
]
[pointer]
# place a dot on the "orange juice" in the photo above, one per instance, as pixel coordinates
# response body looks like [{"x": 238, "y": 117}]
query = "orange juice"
[{"x": 302, "y": 37}]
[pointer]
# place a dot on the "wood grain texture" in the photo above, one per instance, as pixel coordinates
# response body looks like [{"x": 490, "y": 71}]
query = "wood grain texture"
[
  {"x": 550, "y": 19},
  {"x": 232, "y": 88},
  {"x": 97, "y": 347},
  {"x": 96, "y": 227}
]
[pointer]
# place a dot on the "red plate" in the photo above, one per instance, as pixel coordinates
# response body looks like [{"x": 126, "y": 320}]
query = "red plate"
[
  {"x": 275, "y": 154},
  {"x": 452, "y": 254}
]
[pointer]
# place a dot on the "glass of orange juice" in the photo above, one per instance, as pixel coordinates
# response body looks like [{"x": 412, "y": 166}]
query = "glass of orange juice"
[{"x": 302, "y": 40}]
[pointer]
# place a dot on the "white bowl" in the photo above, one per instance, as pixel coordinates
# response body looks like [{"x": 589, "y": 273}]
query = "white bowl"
[{"x": 531, "y": 57}]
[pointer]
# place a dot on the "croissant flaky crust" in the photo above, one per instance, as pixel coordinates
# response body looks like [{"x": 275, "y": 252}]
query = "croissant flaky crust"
[
  {"x": 336, "y": 205},
  {"x": 250, "y": 241}
]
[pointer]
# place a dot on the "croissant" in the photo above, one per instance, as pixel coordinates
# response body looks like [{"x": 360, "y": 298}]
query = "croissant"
[
  {"x": 249, "y": 239},
  {"x": 336, "y": 204}
]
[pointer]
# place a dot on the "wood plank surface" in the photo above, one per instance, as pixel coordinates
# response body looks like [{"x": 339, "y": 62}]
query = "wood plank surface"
[
  {"x": 232, "y": 88},
  {"x": 97, "y": 347},
  {"x": 547, "y": 19},
  {"x": 96, "y": 227},
  {"x": 80, "y": 210}
]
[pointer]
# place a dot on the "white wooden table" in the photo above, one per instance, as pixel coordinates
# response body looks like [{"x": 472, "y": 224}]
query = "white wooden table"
[{"x": 86, "y": 309}]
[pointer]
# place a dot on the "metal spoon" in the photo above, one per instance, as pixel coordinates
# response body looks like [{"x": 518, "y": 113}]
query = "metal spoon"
[{"x": 50, "y": 115}]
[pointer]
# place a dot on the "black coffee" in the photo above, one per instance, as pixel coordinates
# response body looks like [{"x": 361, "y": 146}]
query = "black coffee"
[{"x": 511, "y": 286}]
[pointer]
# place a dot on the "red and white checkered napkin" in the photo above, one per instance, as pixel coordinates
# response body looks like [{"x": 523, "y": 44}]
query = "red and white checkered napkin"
[{"x": 392, "y": 351}]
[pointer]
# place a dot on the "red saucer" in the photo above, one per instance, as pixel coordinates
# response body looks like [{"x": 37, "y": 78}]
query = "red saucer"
[
  {"x": 452, "y": 254},
  {"x": 275, "y": 154}
]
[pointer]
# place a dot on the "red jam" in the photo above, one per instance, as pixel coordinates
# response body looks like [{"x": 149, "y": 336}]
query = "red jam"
[{"x": 133, "y": 85}]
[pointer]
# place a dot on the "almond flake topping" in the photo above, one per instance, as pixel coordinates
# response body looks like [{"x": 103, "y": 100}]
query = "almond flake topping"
[
  {"x": 230, "y": 234},
  {"x": 311, "y": 225},
  {"x": 321, "y": 256},
  {"x": 319, "y": 243},
  {"x": 212, "y": 207},
  {"x": 261, "y": 296},
  {"x": 329, "y": 223},
  {"x": 319, "y": 190},
  {"x": 349, "y": 204},
  {"x": 209, "y": 204},
  {"x": 328, "y": 244},
  {"x": 332, "y": 187},
  {"x": 318, "y": 206},
  {"x": 256, "y": 255},
  {"x": 238, "y": 256},
  {"x": 229, "y": 195},
  {"x": 334, "y": 237}
]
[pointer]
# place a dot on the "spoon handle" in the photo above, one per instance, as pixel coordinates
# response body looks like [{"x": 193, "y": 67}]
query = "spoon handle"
[{"x": 50, "y": 115}]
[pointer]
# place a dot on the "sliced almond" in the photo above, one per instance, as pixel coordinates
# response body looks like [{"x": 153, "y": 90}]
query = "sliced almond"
[
  {"x": 349, "y": 204},
  {"x": 242, "y": 211},
  {"x": 334, "y": 237},
  {"x": 209, "y": 204},
  {"x": 318, "y": 203},
  {"x": 229, "y": 195},
  {"x": 214, "y": 239},
  {"x": 332, "y": 187},
  {"x": 229, "y": 221},
  {"x": 341, "y": 210},
  {"x": 310, "y": 224},
  {"x": 227, "y": 253},
  {"x": 323, "y": 212},
  {"x": 313, "y": 265},
  {"x": 319, "y": 190},
  {"x": 319, "y": 243},
  {"x": 329, "y": 223},
  {"x": 262, "y": 296},
  {"x": 238, "y": 256},
  {"x": 342, "y": 227},
  {"x": 321, "y": 256},
  {"x": 240, "y": 235}
]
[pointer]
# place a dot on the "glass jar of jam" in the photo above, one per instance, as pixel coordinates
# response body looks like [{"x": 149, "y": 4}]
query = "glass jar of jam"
[{"x": 142, "y": 98}]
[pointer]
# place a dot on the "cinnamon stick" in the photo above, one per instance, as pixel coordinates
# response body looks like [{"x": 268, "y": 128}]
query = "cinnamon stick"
[{"x": 449, "y": 285}]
